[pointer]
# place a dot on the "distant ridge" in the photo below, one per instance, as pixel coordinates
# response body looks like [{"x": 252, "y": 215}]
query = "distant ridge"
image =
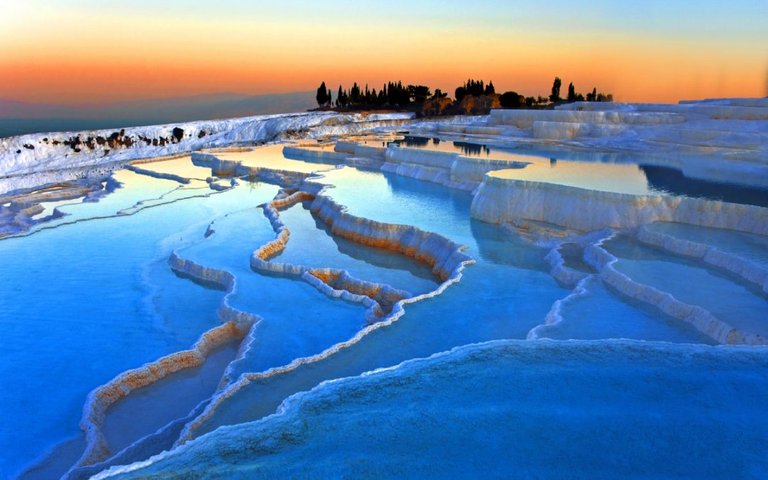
[{"x": 18, "y": 118}]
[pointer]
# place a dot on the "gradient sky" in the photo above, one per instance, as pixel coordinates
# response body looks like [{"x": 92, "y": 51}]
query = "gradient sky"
[{"x": 93, "y": 51}]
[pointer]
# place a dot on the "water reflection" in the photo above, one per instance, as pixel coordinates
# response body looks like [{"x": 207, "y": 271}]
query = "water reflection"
[{"x": 674, "y": 181}]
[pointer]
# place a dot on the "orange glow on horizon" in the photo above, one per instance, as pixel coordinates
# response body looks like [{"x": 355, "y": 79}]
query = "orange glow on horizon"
[{"x": 67, "y": 61}]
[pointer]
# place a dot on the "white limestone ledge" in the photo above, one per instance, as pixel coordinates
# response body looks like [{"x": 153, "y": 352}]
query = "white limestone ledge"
[
  {"x": 555, "y": 315},
  {"x": 564, "y": 274},
  {"x": 102, "y": 398},
  {"x": 159, "y": 175},
  {"x": 235, "y": 168},
  {"x": 500, "y": 200},
  {"x": 741, "y": 267},
  {"x": 191, "y": 430},
  {"x": 358, "y": 150},
  {"x": 378, "y": 299},
  {"x": 717, "y": 109},
  {"x": 445, "y": 168},
  {"x": 703, "y": 320},
  {"x": 314, "y": 155},
  {"x": 446, "y": 257},
  {"x": 441, "y": 254},
  {"x": 525, "y": 119}
]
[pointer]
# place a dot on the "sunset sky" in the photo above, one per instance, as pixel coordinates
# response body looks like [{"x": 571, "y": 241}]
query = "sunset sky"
[{"x": 81, "y": 51}]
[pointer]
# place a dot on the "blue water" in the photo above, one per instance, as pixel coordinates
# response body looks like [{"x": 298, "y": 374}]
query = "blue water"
[
  {"x": 511, "y": 410},
  {"x": 739, "y": 305},
  {"x": 83, "y": 302},
  {"x": 600, "y": 314},
  {"x": 311, "y": 244},
  {"x": 751, "y": 247},
  {"x": 89, "y": 295},
  {"x": 504, "y": 295},
  {"x": 298, "y": 320}
]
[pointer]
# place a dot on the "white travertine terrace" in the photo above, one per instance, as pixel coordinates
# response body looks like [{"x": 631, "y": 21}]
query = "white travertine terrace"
[
  {"x": 741, "y": 267},
  {"x": 444, "y": 256},
  {"x": 137, "y": 142},
  {"x": 710, "y": 140},
  {"x": 445, "y": 168},
  {"x": 314, "y": 155},
  {"x": 101, "y": 399},
  {"x": 700, "y": 318},
  {"x": 500, "y": 200}
]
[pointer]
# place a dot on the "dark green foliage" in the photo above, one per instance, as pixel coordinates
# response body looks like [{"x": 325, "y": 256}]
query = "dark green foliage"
[
  {"x": 555, "y": 96},
  {"x": 419, "y": 93},
  {"x": 322, "y": 96},
  {"x": 511, "y": 100},
  {"x": 395, "y": 95},
  {"x": 474, "y": 88},
  {"x": 354, "y": 94}
]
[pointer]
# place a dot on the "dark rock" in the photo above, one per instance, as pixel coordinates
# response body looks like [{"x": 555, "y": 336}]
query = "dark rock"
[
  {"x": 201, "y": 134},
  {"x": 29, "y": 147},
  {"x": 178, "y": 134}
]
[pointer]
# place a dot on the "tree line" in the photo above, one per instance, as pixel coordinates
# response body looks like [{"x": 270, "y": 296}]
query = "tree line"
[
  {"x": 399, "y": 96},
  {"x": 391, "y": 94}
]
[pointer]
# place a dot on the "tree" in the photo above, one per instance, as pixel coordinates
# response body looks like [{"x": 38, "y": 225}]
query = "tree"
[
  {"x": 322, "y": 95},
  {"x": 555, "y": 97},
  {"x": 460, "y": 93},
  {"x": 511, "y": 100},
  {"x": 571, "y": 93},
  {"x": 490, "y": 89},
  {"x": 354, "y": 95},
  {"x": 418, "y": 93}
]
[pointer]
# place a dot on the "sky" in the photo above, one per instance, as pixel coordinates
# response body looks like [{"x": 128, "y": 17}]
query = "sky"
[{"x": 75, "y": 52}]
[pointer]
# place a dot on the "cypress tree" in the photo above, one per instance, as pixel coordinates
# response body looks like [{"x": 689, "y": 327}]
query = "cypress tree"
[{"x": 322, "y": 95}]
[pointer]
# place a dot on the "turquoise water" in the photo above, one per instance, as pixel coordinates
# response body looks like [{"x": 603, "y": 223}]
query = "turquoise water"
[
  {"x": 600, "y": 314},
  {"x": 751, "y": 247},
  {"x": 737, "y": 304},
  {"x": 90, "y": 295},
  {"x": 83, "y": 302},
  {"x": 365, "y": 263},
  {"x": 511, "y": 410},
  {"x": 504, "y": 295}
]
